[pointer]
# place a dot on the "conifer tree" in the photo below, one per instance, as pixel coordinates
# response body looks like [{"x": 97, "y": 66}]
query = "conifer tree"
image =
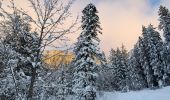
[
  {"x": 136, "y": 74},
  {"x": 144, "y": 60},
  {"x": 86, "y": 51},
  {"x": 62, "y": 83},
  {"x": 18, "y": 36},
  {"x": 154, "y": 48},
  {"x": 108, "y": 73},
  {"x": 17, "y": 33},
  {"x": 151, "y": 56},
  {"x": 164, "y": 25},
  {"x": 124, "y": 57},
  {"x": 8, "y": 82},
  {"x": 118, "y": 66}
]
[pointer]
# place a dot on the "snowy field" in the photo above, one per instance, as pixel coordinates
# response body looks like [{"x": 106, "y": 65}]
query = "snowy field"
[{"x": 159, "y": 94}]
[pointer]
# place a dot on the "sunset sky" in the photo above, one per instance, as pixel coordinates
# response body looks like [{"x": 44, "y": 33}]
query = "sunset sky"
[{"x": 121, "y": 20}]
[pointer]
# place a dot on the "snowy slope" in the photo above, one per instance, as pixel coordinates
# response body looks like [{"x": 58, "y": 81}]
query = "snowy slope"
[{"x": 159, "y": 94}]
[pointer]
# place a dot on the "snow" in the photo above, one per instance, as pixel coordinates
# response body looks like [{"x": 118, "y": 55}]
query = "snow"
[{"x": 159, "y": 94}]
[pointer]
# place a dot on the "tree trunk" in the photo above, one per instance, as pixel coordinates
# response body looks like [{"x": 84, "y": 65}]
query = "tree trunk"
[{"x": 30, "y": 91}]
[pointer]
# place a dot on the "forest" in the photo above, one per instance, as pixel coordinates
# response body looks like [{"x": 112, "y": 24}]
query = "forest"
[{"x": 24, "y": 75}]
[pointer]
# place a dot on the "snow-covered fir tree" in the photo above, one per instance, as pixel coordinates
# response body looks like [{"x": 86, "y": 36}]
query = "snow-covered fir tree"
[
  {"x": 112, "y": 57},
  {"x": 136, "y": 76},
  {"x": 164, "y": 25},
  {"x": 63, "y": 83},
  {"x": 118, "y": 66},
  {"x": 86, "y": 53},
  {"x": 17, "y": 34},
  {"x": 8, "y": 82},
  {"x": 105, "y": 80},
  {"x": 112, "y": 68},
  {"x": 125, "y": 64},
  {"x": 154, "y": 48},
  {"x": 152, "y": 56},
  {"x": 156, "y": 54},
  {"x": 144, "y": 60}
]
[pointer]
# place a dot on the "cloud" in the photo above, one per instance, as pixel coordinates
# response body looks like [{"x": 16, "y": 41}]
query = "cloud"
[
  {"x": 166, "y": 3},
  {"x": 122, "y": 22}
]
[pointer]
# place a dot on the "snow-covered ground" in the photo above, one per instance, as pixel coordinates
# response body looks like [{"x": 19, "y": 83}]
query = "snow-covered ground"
[{"x": 159, "y": 94}]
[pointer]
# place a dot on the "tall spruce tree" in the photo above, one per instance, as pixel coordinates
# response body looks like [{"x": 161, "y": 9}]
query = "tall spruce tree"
[
  {"x": 86, "y": 51},
  {"x": 136, "y": 74},
  {"x": 151, "y": 56},
  {"x": 144, "y": 60},
  {"x": 156, "y": 54},
  {"x": 164, "y": 25}
]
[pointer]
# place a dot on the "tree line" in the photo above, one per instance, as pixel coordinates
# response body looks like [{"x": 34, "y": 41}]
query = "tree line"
[
  {"x": 23, "y": 74},
  {"x": 147, "y": 64}
]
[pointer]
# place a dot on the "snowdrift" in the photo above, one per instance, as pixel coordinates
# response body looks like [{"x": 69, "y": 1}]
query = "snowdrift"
[{"x": 159, "y": 94}]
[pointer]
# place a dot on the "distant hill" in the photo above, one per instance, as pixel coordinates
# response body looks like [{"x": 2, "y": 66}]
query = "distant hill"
[{"x": 53, "y": 58}]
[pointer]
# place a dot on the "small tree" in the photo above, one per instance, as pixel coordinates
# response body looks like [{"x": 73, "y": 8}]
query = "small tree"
[
  {"x": 105, "y": 79},
  {"x": 8, "y": 83},
  {"x": 118, "y": 66}
]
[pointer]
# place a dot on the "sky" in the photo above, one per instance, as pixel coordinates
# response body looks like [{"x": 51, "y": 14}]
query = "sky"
[{"x": 121, "y": 20}]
